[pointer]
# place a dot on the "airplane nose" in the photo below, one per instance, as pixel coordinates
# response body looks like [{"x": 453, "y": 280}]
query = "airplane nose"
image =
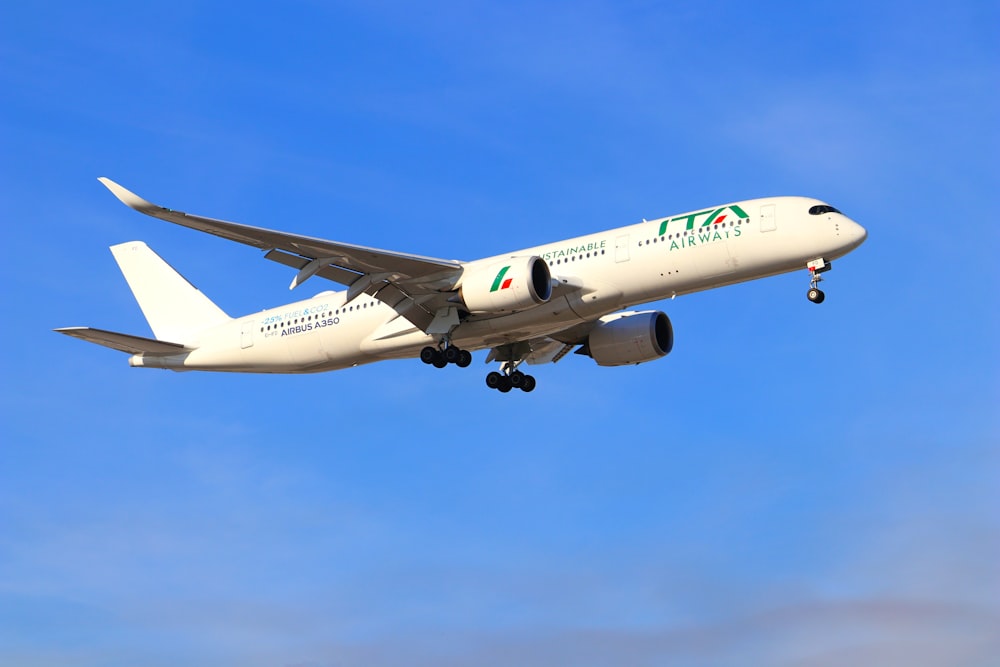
[
  {"x": 858, "y": 233},
  {"x": 854, "y": 233}
]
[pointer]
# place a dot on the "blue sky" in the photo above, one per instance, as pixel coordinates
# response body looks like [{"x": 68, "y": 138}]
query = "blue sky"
[{"x": 793, "y": 485}]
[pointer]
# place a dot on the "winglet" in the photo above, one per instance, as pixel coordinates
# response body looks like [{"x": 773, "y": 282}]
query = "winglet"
[{"x": 129, "y": 198}]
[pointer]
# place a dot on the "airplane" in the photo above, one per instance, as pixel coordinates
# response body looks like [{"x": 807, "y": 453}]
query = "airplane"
[{"x": 529, "y": 306}]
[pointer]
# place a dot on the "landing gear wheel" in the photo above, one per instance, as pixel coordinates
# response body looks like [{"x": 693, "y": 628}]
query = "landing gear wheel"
[
  {"x": 816, "y": 295},
  {"x": 452, "y": 354},
  {"x": 439, "y": 360},
  {"x": 817, "y": 267},
  {"x": 464, "y": 359},
  {"x": 427, "y": 355},
  {"x": 510, "y": 378}
]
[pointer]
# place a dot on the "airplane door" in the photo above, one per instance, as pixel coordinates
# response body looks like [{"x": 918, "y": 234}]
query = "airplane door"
[
  {"x": 621, "y": 248},
  {"x": 246, "y": 335},
  {"x": 768, "y": 221}
]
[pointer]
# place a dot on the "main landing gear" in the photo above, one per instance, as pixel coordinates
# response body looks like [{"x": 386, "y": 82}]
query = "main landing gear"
[
  {"x": 439, "y": 358},
  {"x": 510, "y": 379},
  {"x": 816, "y": 267},
  {"x": 510, "y": 356}
]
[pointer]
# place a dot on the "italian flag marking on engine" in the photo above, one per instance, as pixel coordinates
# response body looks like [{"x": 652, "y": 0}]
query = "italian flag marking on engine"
[{"x": 499, "y": 283}]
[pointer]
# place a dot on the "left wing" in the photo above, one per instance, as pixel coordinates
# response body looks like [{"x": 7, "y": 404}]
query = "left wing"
[{"x": 415, "y": 286}]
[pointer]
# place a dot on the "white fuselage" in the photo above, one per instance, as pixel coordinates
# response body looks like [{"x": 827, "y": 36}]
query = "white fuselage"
[{"x": 598, "y": 274}]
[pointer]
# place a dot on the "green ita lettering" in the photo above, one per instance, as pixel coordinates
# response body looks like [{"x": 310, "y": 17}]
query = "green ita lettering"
[{"x": 714, "y": 216}]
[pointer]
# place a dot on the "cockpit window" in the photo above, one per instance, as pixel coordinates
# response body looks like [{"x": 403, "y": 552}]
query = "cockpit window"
[{"x": 820, "y": 209}]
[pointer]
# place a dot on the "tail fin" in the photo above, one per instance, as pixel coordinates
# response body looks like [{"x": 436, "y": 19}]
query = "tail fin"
[{"x": 175, "y": 309}]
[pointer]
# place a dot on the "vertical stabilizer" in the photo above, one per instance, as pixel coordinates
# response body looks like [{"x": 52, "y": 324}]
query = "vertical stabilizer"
[{"x": 175, "y": 309}]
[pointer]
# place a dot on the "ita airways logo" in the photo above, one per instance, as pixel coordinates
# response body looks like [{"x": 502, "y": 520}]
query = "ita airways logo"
[
  {"x": 713, "y": 216},
  {"x": 499, "y": 283}
]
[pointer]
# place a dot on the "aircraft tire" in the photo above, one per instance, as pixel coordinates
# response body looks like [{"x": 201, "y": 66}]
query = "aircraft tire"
[
  {"x": 493, "y": 380},
  {"x": 427, "y": 355},
  {"x": 464, "y": 359},
  {"x": 816, "y": 295},
  {"x": 529, "y": 384}
]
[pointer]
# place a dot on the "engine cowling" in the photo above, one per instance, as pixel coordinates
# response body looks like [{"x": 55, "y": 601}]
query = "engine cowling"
[
  {"x": 631, "y": 338},
  {"x": 513, "y": 284}
]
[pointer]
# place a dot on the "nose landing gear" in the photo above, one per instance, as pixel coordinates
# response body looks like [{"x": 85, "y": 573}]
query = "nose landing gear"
[{"x": 816, "y": 267}]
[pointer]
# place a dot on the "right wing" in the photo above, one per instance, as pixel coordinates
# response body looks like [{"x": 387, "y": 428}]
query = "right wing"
[
  {"x": 545, "y": 349},
  {"x": 124, "y": 342},
  {"x": 415, "y": 286}
]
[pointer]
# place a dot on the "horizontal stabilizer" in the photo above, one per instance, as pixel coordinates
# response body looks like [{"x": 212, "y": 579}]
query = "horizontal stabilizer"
[{"x": 123, "y": 342}]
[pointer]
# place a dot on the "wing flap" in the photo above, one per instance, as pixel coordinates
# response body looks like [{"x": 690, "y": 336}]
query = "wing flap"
[
  {"x": 547, "y": 351},
  {"x": 385, "y": 291},
  {"x": 333, "y": 273},
  {"x": 123, "y": 342}
]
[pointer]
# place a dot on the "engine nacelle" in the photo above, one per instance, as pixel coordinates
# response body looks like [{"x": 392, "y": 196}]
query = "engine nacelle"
[
  {"x": 631, "y": 338},
  {"x": 513, "y": 284}
]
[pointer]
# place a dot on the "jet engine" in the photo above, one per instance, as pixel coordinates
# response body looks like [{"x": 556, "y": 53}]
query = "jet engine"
[
  {"x": 630, "y": 338},
  {"x": 510, "y": 285}
]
